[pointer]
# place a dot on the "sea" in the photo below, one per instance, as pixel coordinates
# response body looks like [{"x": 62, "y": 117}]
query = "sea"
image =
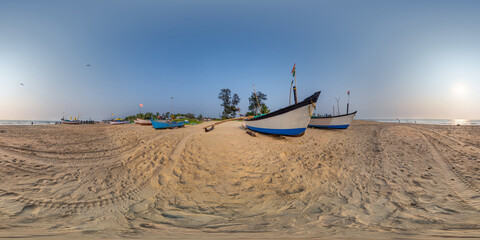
[
  {"x": 27, "y": 122},
  {"x": 430, "y": 121}
]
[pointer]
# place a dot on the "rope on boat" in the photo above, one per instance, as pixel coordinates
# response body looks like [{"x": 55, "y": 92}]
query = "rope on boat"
[{"x": 314, "y": 108}]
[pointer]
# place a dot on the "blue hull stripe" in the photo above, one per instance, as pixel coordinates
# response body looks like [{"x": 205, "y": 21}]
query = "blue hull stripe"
[
  {"x": 330, "y": 126},
  {"x": 289, "y": 132},
  {"x": 160, "y": 125}
]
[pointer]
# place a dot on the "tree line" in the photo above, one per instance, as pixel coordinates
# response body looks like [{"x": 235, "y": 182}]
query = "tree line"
[
  {"x": 149, "y": 115},
  {"x": 230, "y": 104}
]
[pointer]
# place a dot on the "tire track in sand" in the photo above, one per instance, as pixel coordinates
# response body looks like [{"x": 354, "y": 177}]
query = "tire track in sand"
[
  {"x": 132, "y": 193},
  {"x": 463, "y": 189},
  {"x": 166, "y": 173}
]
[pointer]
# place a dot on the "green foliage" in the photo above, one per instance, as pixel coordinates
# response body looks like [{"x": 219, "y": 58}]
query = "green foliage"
[
  {"x": 235, "y": 102},
  {"x": 229, "y": 103},
  {"x": 191, "y": 121},
  {"x": 166, "y": 115},
  {"x": 226, "y": 96},
  {"x": 253, "y": 104},
  {"x": 148, "y": 115},
  {"x": 131, "y": 118},
  {"x": 189, "y": 115},
  {"x": 264, "y": 109}
]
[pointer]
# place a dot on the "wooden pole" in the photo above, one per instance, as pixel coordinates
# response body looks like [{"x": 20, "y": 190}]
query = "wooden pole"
[
  {"x": 338, "y": 105},
  {"x": 258, "y": 103},
  {"x": 295, "y": 88},
  {"x": 348, "y": 102},
  {"x": 290, "y": 97}
]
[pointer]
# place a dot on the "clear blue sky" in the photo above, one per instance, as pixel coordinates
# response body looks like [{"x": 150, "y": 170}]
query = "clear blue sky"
[{"x": 406, "y": 59}]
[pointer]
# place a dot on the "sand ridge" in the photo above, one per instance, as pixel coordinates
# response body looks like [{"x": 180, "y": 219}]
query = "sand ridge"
[{"x": 373, "y": 180}]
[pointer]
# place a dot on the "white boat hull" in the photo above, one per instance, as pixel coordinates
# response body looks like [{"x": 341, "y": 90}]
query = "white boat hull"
[
  {"x": 290, "y": 121},
  {"x": 118, "y": 122},
  {"x": 143, "y": 122},
  {"x": 336, "y": 122}
]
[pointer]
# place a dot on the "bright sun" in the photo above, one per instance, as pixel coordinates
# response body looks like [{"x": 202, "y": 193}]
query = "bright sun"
[{"x": 459, "y": 89}]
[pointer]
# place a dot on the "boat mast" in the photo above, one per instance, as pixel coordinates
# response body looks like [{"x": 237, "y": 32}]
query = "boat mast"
[
  {"x": 255, "y": 92},
  {"x": 295, "y": 87},
  {"x": 348, "y": 101},
  {"x": 290, "y": 97},
  {"x": 338, "y": 106}
]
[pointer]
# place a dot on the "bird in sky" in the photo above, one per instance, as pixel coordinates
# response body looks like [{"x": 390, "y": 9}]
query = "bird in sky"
[
  {"x": 22, "y": 84},
  {"x": 88, "y": 65}
]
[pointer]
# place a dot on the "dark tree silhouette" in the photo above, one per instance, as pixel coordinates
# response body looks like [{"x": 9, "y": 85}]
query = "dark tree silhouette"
[
  {"x": 253, "y": 104},
  {"x": 235, "y": 102},
  {"x": 226, "y": 96}
]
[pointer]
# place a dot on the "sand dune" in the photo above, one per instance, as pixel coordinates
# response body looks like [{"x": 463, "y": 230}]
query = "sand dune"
[{"x": 373, "y": 180}]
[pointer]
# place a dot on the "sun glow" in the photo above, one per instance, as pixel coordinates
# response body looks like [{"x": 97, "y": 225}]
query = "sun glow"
[{"x": 459, "y": 89}]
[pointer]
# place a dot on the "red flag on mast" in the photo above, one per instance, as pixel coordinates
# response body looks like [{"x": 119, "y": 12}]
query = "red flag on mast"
[
  {"x": 293, "y": 70},
  {"x": 141, "y": 105}
]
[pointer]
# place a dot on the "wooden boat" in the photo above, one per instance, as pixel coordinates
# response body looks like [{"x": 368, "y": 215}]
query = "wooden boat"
[
  {"x": 143, "y": 121},
  {"x": 289, "y": 121},
  {"x": 71, "y": 122},
  {"x": 334, "y": 122},
  {"x": 159, "y": 124},
  {"x": 117, "y": 122}
]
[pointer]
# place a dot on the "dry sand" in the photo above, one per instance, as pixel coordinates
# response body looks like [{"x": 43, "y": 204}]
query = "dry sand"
[{"x": 373, "y": 180}]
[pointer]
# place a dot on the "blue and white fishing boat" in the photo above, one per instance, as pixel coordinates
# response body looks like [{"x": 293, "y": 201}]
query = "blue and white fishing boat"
[
  {"x": 289, "y": 121},
  {"x": 159, "y": 124},
  {"x": 333, "y": 122}
]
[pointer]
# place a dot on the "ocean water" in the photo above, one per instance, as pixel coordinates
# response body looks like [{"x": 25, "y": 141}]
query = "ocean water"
[
  {"x": 26, "y": 122},
  {"x": 430, "y": 121}
]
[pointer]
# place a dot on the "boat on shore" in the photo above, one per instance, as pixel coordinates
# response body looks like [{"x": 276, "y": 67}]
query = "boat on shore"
[
  {"x": 117, "y": 122},
  {"x": 71, "y": 122},
  {"x": 290, "y": 121},
  {"x": 332, "y": 122},
  {"x": 143, "y": 121},
  {"x": 160, "y": 124}
]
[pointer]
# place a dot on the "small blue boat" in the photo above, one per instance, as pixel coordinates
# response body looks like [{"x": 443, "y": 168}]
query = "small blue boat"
[{"x": 163, "y": 124}]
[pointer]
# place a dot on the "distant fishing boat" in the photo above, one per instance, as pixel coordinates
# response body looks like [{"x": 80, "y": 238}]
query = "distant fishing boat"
[
  {"x": 289, "y": 121},
  {"x": 334, "y": 122},
  {"x": 71, "y": 122},
  {"x": 116, "y": 122},
  {"x": 159, "y": 124},
  {"x": 143, "y": 121}
]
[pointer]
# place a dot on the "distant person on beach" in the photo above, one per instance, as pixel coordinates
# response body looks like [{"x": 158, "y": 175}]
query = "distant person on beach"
[{"x": 32, "y": 123}]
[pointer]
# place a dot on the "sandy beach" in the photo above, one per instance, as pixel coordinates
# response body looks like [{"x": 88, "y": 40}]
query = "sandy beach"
[{"x": 370, "y": 181}]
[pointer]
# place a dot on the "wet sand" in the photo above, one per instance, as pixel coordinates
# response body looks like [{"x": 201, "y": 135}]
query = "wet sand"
[{"x": 371, "y": 181}]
